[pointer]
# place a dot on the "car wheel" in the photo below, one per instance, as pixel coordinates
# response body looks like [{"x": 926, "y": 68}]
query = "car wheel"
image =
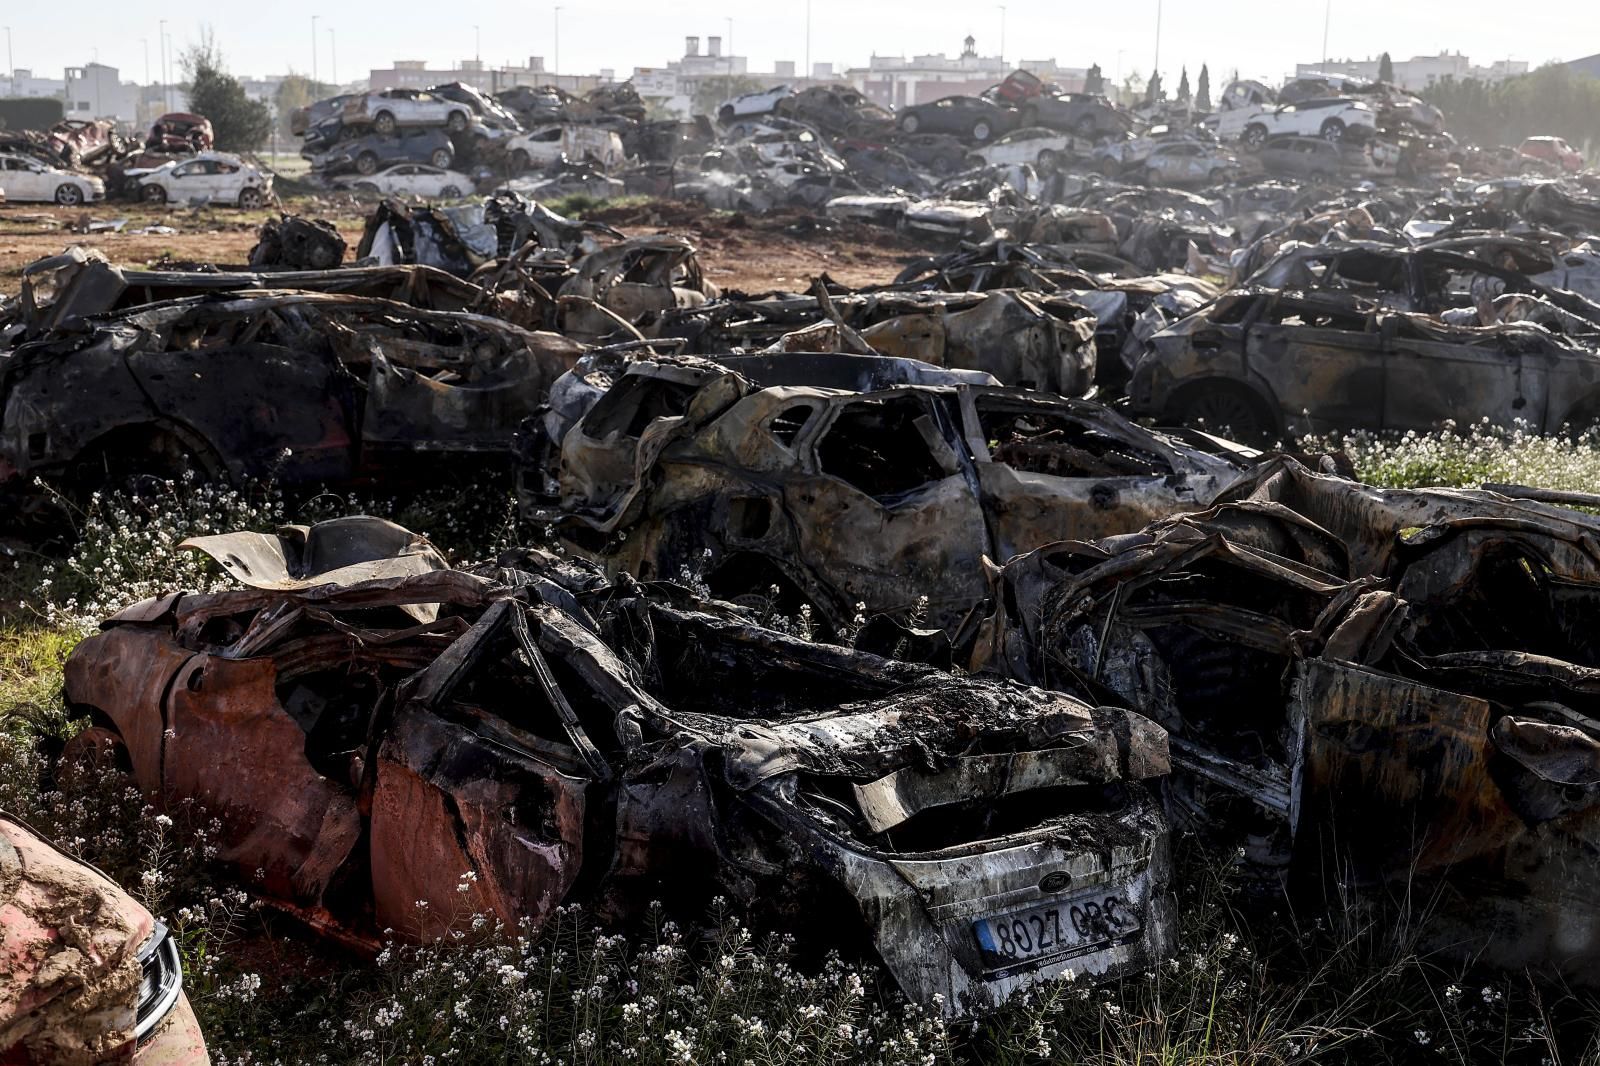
[
  {"x": 367, "y": 163},
  {"x": 982, "y": 131},
  {"x": 441, "y": 158},
  {"x": 945, "y": 165},
  {"x": 1333, "y": 130},
  {"x": 1049, "y": 161},
  {"x": 1226, "y": 408},
  {"x": 1110, "y": 167},
  {"x": 910, "y": 123},
  {"x": 98, "y": 750},
  {"x": 1255, "y": 135},
  {"x": 1217, "y": 176},
  {"x": 1086, "y": 128},
  {"x": 457, "y": 122},
  {"x": 69, "y": 195},
  {"x": 250, "y": 199},
  {"x": 450, "y": 192},
  {"x": 154, "y": 194},
  {"x": 383, "y": 122},
  {"x": 1319, "y": 176}
]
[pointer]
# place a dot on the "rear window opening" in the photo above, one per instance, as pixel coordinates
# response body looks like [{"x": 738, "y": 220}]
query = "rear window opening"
[
  {"x": 1043, "y": 442},
  {"x": 632, "y": 405}
]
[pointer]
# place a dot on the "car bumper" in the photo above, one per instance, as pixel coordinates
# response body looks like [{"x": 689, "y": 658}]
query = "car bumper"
[{"x": 177, "y": 1041}]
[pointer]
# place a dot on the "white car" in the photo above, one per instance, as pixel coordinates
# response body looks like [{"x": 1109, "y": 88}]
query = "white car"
[
  {"x": 210, "y": 177},
  {"x": 1328, "y": 119},
  {"x": 761, "y": 103},
  {"x": 416, "y": 179},
  {"x": 540, "y": 147},
  {"x": 390, "y": 109},
  {"x": 29, "y": 179},
  {"x": 1045, "y": 149}
]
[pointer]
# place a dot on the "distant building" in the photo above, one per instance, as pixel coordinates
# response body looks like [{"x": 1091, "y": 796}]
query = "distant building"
[
  {"x": 1418, "y": 72},
  {"x": 416, "y": 74},
  {"x": 23, "y": 83},
  {"x": 895, "y": 81},
  {"x": 1588, "y": 66}
]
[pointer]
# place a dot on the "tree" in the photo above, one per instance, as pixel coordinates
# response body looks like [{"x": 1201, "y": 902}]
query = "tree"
[
  {"x": 1184, "y": 95},
  {"x": 1385, "y": 68},
  {"x": 239, "y": 123},
  {"x": 1152, "y": 90},
  {"x": 294, "y": 92},
  {"x": 1202, "y": 96}
]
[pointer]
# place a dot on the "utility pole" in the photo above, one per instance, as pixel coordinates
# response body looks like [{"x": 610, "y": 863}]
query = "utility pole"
[
  {"x": 313, "y": 54},
  {"x": 556, "y": 69},
  {"x": 166, "y": 102},
  {"x": 11, "y": 64},
  {"x": 808, "y": 40},
  {"x": 1157, "y": 67},
  {"x": 729, "y": 52},
  {"x": 477, "y": 43},
  {"x": 1002, "y": 34},
  {"x": 333, "y": 58},
  {"x": 1327, "y": 18}
]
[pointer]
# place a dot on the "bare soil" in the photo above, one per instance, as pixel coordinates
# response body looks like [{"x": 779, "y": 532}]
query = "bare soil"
[{"x": 784, "y": 250}]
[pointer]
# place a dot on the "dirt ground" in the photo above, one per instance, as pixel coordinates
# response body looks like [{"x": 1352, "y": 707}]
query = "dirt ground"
[{"x": 749, "y": 254}]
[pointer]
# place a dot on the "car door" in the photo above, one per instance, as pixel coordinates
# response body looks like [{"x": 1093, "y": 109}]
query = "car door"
[
  {"x": 1324, "y": 362},
  {"x": 430, "y": 181},
  {"x": 398, "y": 181},
  {"x": 887, "y": 504},
  {"x": 1434, "y": 374},
  {"x": 23, "y": 180},
  {"x": 227, "y": 181}
]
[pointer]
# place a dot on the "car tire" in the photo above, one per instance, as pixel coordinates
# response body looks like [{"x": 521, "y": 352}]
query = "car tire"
[
  {"x": 69, "y": 195},
  {"x": 449, "y": 192},
  {"x": 1110, "y": 168},
  {"x": 153, "y": 194},
  {"x": 910, "y": 123},
  {"x": 384, "y": 123},
  {"x": 519, "y": 162},
  {"x": 1333, "y": 131},
  {"x": 982, "y": 130},
  {"x": 457, "y": 122},
  {"x": 1218, "y": 175},
  {"x": 1149, "y": 176},
  {"x": 1049, "y": 161},
  {"x": 367, "y": 163},
  {"x": 1255, "y": 135},
  {"x": 250, "y": 199},
  {"x": 97, "y": 749},
  {"x": 1226, "y": 408},
  {"x": 945, "y": 165},
  {"x": 442, "y": 158}
]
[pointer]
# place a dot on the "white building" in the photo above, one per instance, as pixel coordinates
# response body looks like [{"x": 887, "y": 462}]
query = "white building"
[
  {"x": 98, "y": 91},
  {"x": 896, "y": 81},
  {"x": 1418, "y": 72}
]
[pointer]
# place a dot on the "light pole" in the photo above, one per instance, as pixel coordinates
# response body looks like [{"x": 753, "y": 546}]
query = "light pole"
[
  {"x": 1327, "y": 18},
  {"x": 146, "y": 42},
  {"x": 808, "y": 40},
  {"x": 166, "y": 103},
  {"x": 477, "y": 43},
  {"x": 729, "y": 21},
  {"x": 556, "y": 69},
  {"x": 1002, "y": 34},
  {"x": 11, "y": 64},
  {"x": 1157, "y": 68},
  {"x": 314, "y": 53},
  {"x": 333, "y": 58}
]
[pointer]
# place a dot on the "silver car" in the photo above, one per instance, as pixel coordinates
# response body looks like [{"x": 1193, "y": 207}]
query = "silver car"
[{"x": 390, "y": 109}]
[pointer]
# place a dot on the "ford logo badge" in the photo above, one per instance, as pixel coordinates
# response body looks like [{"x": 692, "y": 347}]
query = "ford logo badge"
[{"x": 1055, "y": 882}]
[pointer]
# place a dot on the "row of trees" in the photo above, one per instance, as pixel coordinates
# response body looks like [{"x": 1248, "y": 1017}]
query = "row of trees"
[{"x": 1550, "y": 100}]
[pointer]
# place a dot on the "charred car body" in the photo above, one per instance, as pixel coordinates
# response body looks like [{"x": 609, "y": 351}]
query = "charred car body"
[
  {"x": 847, "y": 501},
  {"x": 550, "y": 735},
  {"x": 1389, "y": 684}
]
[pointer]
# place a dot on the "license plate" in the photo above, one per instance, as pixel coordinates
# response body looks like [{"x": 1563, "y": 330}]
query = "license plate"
[{"x": 1065, "y": 927}]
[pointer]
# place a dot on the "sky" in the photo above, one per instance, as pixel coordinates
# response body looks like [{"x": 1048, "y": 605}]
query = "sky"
[{"x": 1258, "y": 38}]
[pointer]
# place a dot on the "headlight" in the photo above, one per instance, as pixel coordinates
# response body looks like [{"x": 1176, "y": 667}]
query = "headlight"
[{"x": 161, "y": 981}]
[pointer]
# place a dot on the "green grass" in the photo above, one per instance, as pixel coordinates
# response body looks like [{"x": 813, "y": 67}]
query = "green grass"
[{"x": 1254, "y": 981}]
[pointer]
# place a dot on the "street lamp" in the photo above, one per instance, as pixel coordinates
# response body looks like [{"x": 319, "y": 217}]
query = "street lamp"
[
  {"x": 1002, "y": 8},
  {"x": 314, "y": 52},
  {"x": 556, "y": 68},
  {"x": 333, "y": 58},
  {"x": 1157, "y": 68},
  {"x": 729, "y": 21},
  {"x": 477, "y": 43},
  {"x": 166, "y": 101},
  {"x": 11, "y": 64}
]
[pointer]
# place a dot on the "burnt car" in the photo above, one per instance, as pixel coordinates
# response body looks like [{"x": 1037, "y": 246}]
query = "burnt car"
[
  {"x": 968, "y": 117},
  {"x": 882, "y": 502},
  {"x": 941, "y": 153},
  {"x": 390, "y": 745},
  {"x": 1390, "y": 684},
  {"x": 372, "y": 152},
  {"x": 180, "y": 131},
  {"x": 837, "y": 110},
  {"x": 1311, "y": 158},
  {"x": 90, "y": 975},
  {"x": 1262, "y": 363},
  {"x": 85, "y": 142},
  {"x": 308, "y": 386},
  {"x": 486, "y": 109}
]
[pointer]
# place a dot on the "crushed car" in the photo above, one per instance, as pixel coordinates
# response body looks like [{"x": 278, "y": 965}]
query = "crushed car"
[
  {"x": 809, "y": 489},
  {"x": 393, "y": 745}
]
